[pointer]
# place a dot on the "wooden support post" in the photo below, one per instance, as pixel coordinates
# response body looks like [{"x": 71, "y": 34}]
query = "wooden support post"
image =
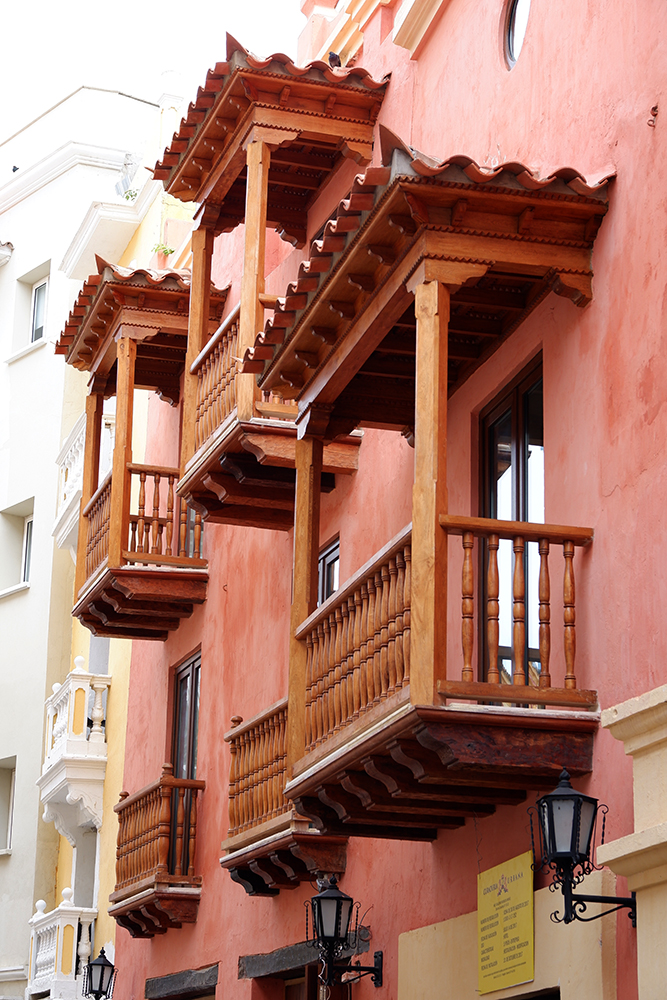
[
  {"x": 429, "y": 496},
  {"x": 91, "y": 471},
  {"x": 122, "y": 452},
  {"x": 251, "y": 319},
  {"x": 432, "y": 283},
  {"x": 198, "y": 320},
  {"x": 304, "y": 586}
]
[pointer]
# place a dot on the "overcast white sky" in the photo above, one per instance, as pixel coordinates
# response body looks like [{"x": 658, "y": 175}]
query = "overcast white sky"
[{"x": 51, "y": 47}]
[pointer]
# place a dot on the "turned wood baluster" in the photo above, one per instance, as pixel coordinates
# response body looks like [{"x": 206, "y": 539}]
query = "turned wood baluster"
[
  {"x": 331, "y": 673},
  {"x": 182, "y": 527},
  {"x": 141, "y": 519},
  {"x": 243, "y": 791},
  {"x": 493, "y": 609},
  {"x": 198, "y": 437},
  {"x": 345, "y": 711},
  {"x": 193, "y": 832},
  {"x": 176, "y": 862},
  {"x": 545, "y": 614},
  {"x": 519, "y": 676},
  {"x": 384, "y": 632},
  {"x": 325, "y": 678},
  {"x": 121, "y": 841},
  {"x": 170, "y": 514},
  {"x": 321, "y": 669},
  {"x": 350, "y": 673},
  {"x": 309, "y": 690},
  {"x": 400, "y": 598},
  {"x": 569, "y": 639},
  {"x": 133, "y": 535},
  {"x": 363, "y": 648},
  {"x": 380, "y": 688},
  {"x": 407, "y": 555},
  {"x": 467, "y": 605},
  {"x": 233, "y": 747},
  {"x": 197, "y": 551},
  {"x": 372, "y": 693},
  {"x": 355, "y": 641},
  {"x": 156, "y": 512},
  {"x": 338, "y": 668},
  {"x": 164, "y": 829},
  {"x": 391, "y": 629}
]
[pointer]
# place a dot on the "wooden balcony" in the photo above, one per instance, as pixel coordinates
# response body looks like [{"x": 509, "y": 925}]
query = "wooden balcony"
[
  {"x": 156, "y": 884},
  {"x": 243, "y": 470},
  {"x": 139, "y": 566},
  {"x": 269, "y": 846},
  {"x": 378, "y": 763},
  {"x": 143, "y": 565}
]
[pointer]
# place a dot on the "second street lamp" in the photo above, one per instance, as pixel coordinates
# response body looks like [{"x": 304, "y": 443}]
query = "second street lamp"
[{"x": 332, "y": 914}]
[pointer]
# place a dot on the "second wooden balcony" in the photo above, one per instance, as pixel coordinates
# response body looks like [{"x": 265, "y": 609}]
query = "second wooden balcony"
[
  {"x": 243, "y": 467},
  {"x": 269, "y": 846}
]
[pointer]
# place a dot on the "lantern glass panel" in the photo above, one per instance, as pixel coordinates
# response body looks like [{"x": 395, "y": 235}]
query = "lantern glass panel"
[
  {"x": 563, "y": 824},
  {"x": 586, "y": 821},
  {"x": 328, "y": 917},
  {"x": 345, "y": 914}
]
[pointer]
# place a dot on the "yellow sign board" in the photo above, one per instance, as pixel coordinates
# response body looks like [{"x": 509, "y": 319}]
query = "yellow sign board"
[{"x": 505, "y": 924}]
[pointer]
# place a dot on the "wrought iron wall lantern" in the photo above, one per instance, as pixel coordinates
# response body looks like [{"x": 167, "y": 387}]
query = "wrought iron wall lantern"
[
  {"x": 567, "y": 826},
  {"x": 331, "y": 912},
  {"x": 99, "y": 978}
]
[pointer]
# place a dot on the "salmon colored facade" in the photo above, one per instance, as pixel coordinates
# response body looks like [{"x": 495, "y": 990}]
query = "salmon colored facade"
[{"x": 582, "y": 94}]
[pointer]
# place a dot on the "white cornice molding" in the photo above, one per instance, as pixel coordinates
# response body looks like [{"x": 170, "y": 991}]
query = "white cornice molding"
[
  {"x": 72, "y": 154},
  {"x": 413, "y": 22},
  {"x": 6, "y": 250},
  {"x": 110, "y": 220}
]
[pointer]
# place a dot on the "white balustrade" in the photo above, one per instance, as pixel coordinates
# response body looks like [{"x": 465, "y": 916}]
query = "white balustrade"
[
  {"x": 67, "y": 729},
  {"x": 58, "y": 951},
  {"x": 70, "y": 462},
  {"x": 72, "y": 780}
]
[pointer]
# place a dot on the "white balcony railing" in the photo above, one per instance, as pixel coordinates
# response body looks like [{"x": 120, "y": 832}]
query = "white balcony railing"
[
  {"x": 70, "y": 477},
  {"x": 60, "y": 945},
  {"x": 72, "y": 779}
]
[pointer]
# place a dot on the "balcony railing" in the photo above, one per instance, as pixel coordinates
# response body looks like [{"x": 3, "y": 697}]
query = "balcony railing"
[
  {"x": 69, "y": 727},
  {"x": 59, "y": 947},
  {"x": 257, "y": 772},
  {"x": 218, "y": 368},
  {"x": 157, "y": 532},
  {"x": 157, "y": 831},
  {"x": 358, "y": 643},
  {"x": 526, "y": 667}
]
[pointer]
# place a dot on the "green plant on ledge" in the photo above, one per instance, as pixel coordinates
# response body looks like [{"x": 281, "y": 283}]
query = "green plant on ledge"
[{"x": 163, "y": 249}]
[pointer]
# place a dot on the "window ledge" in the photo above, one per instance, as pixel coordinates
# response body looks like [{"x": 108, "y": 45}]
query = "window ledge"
[
  {"x": 5, "y": 850},
  {"x": 14, "y": 590},
  {"x": 414, "y": 22},
  {"x": 30, "y": 349}
]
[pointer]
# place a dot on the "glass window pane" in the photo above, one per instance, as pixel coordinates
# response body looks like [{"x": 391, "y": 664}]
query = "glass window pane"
[
  {"x": 516, "y": 29},
  {"x": 183, "y": 729},
  {"x": 534, "y": 452},
  {"x": 501, "y": 467},
  {"x": 195, "y": 722},
  {"x": 27, "y": 551},
  {"x": 38, "y": 311}
]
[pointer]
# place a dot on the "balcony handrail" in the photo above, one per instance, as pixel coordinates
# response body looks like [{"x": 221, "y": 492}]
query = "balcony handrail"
[
  {"x": 215, "y": 340},
  {"x": 351, "y": 584},
  {"x": 530, "y": 531},
  {"x": 165, "y": 779},
  {"x": 162, "y": 470},
  {"x": 244, "y": 726},
  {"x": 96, "y": 495},
  {"x": 520, "y": 690}
]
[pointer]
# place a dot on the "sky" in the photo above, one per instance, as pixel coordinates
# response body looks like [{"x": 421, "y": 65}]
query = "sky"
[{"x": 52, "y": 47}]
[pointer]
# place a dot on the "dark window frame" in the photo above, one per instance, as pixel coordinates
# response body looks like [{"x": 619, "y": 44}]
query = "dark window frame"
[
  {"x": 513, "y": 397},
  {"x": 190, "y": 672},
  {"x": 328, "y": 557}
]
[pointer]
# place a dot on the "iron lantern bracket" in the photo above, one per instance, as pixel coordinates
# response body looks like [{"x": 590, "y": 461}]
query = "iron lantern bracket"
[
  {"x": 353, "y": 972},
  {"x": 575, "y": 905}
]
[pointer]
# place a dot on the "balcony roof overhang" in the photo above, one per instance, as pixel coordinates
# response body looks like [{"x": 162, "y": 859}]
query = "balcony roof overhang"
[
  {"x": 311, "y": 117},
  {"x": 342, "y": 338},
  {"x": 149, "y": 306}
]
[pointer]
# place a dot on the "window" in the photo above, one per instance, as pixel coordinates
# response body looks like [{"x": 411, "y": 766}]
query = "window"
[
  {"x": 7, "y": 782},
  {"x": 328, "y": 566},
  {"x": 38, "y": 310},
  {"x": 186, "y": 718},
  {"x": 515, "y": 29},
  {"x": 27, "y": 550},
  {"x": 513, "y": 490}
]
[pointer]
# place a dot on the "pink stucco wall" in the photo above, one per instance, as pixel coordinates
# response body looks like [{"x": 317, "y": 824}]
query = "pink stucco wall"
[{"x": 580, "y": 96}]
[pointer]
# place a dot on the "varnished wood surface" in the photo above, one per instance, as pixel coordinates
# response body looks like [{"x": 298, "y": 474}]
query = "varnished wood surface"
[{"x": 482, "y": 526}]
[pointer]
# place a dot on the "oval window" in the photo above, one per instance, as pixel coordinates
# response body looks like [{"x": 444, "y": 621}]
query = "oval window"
[{"x": 515, "y": 29}]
